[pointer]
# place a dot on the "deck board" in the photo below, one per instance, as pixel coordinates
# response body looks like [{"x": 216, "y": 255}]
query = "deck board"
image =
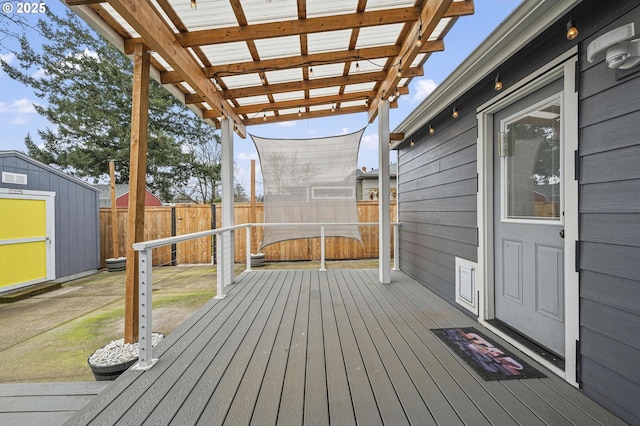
[{"x": 334, "y": 347}]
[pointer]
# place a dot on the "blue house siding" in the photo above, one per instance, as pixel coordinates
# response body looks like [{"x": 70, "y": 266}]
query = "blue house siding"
[
  {"x": 438, "y": 182},
  {"x": 77, "y": 226},
  {"x": 610, "y": 231}
]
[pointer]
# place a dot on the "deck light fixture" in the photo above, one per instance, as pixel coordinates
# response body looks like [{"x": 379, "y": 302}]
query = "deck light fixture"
[
  {"x": 497, "y": 84},
  {"x": 455, "y": 113},
  {"x": 572, "y": 30}
]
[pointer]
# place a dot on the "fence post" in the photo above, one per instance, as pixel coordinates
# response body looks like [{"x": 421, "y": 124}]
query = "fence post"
[
  {"x": 220, "y": 268},
  {"x": 145, "y": 355},
  {"x": 322, "y": 258},
  {"x": 248, "y": 269},
  {"x": 396, "y": 240}
]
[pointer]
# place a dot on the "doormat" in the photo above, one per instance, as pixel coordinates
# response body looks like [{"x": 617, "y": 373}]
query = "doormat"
[{"x": 488, "y": 360}]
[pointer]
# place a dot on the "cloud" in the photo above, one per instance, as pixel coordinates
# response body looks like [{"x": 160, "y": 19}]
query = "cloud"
[
  {"x": 20, "y": 120},
  {"x": 286, "y": 124},
  {"x": 245, "y": 156},
  {"x": 21, "y": 106},
  {"x": 7, "y": 57},
  {"x": 345, "y": 130},
  {"x": 370, "y": 142},
  {"x": 41, "y": 73},
  {"x": 423, "y": 88}
]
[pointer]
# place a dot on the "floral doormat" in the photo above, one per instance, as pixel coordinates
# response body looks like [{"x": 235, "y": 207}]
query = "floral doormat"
[{"x": 490, "y": 361}]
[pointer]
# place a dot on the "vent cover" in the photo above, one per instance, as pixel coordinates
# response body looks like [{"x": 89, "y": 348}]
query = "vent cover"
[{"x": 15, "y": 178}]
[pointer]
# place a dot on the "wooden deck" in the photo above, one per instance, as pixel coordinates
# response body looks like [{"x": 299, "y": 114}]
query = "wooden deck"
[
  {"x": 44, "y": 404},
  {"x": 335, "y": 347}
]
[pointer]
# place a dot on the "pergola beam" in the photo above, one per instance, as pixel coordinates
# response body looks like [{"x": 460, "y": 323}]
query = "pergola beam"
[
  {"x": 172, "y": 77},
  {"x": 430, "y": 15},
  {"x": 157, "y": 36}
]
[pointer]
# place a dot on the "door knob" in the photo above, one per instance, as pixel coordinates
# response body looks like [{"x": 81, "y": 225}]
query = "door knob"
[{"x": 562, "y": 233}]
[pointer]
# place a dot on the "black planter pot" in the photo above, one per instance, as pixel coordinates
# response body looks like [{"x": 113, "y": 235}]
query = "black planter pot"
[
  {"x": 116, "y": 264},
  {"x": 110, "y": 372}
]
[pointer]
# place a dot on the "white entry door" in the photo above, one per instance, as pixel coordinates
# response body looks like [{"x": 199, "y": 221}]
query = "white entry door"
[{"x": 528, "y": 217}]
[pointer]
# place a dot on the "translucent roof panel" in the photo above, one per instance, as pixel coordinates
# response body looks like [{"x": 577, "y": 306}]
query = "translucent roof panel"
[
  {"x": 209, "y": 14},
  {"x": 440, "y": 28},
  {"x": 116, "y": 16},
  {"x": 329, "y": 41},
  {"x": 288, "y": 96},
  {"x": 388, "y": 4},
  {"x": 164, "y": 63},
  {"x": 380, "y": 35},
  {"x": 260, "y": 11},
  {"x": 325, "y": 71},
  {"x": 278, "y": 48},
  {"x": 252, "y": 100},
  {"x": 227, "y": 53},
  {"x": 317, "y": 8},
  {"x": 284, "y": 76},
  {"x": 348, "y": 104},
  {"x": 243, "y": 80},
  {"x": 327, "y": 91},
  {"x": 360, "y": 87}
]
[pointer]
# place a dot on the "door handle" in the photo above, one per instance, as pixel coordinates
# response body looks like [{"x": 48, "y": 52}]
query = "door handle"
[{"x": 562, "y": 233}]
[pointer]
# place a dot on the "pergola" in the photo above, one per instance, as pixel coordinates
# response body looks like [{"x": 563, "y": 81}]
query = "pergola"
[{"x": 246, "y": 62}]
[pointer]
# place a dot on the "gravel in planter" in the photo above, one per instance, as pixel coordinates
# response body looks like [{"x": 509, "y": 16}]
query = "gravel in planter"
[{"x": 117, "y": 352}]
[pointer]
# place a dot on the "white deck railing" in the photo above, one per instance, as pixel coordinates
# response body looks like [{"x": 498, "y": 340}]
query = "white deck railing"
[{"x": 145, "y": 273}]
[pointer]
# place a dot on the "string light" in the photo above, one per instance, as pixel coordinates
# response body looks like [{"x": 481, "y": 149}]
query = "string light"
[
  {"x": 412, "y": 143},
  {"x": 419, "y": 40},
  {"x": 194, "y": 6},
  {"x": 431, "y": 129},
  {"x": 497, "y": 84},
  {"x": 399, "y": 73},
  {"x": 333, "y": 107},
  {"x": 264, "y": 117},
  {"x": 310, "y": 71},
  {"x": 299, "y": 113},
  {"x": 572, "y": 30},
  {"x": 455, "y": 113},
  {"x": 397, "y": 92},
  {"x": 357, "y": 67}
]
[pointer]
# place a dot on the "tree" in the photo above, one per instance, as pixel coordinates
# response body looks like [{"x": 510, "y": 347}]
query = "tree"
[{"x": 87, "y": 85}]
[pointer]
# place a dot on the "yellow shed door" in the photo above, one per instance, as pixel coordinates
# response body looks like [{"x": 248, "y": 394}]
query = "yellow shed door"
[{"x": 25, "y": 240}]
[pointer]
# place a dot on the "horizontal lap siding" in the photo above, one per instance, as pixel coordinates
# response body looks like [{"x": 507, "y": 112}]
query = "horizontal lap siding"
[
  {"x": 437, "y": 198},
  {"x": 610, "y": 232}
]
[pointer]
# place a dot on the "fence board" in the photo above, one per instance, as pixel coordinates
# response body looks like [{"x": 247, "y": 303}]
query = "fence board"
[{"x": 198, "y": 217}]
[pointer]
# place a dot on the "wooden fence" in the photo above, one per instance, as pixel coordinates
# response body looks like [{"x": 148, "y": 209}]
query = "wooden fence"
[{"x": 161, "y": 222}]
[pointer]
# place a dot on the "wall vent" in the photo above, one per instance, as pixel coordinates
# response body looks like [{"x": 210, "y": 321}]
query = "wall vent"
[
  {"x": 14, "y": 178},
  {"x": 466, "y": 292}
]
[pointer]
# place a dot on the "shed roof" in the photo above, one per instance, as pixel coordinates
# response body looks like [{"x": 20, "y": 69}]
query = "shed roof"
[
  {"x": 258, "y": 61},
  {"x": 43, "y": 166}
]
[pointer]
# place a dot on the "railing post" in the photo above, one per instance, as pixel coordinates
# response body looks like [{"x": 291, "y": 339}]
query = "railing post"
[
  {"x": 145, "y": 354},
  {"x": 248, "y": 269},
  {"x": 396, "y": 240},
  {"x": 322, "y": 258},
  {"x": 220, "y": 271}
]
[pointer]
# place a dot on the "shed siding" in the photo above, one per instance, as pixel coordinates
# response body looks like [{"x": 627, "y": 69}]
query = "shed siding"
[
  {"x": 438, "y": 183},
  {"x": 77, "y": 233},
  {"x": 610, "y": 231}
]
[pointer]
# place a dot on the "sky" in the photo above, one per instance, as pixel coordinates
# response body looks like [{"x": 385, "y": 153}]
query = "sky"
[{"x": 18, "y": 116}]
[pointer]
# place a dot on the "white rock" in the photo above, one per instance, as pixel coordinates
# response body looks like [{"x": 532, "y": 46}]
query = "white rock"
[{"x": 117, "y": 352}]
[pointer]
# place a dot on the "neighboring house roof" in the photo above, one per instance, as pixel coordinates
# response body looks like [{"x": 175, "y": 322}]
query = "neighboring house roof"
[
  {"x": 373, "y": 174},
  {"x": 121, "y": 189},
  {"x": 46, "y": 167}
]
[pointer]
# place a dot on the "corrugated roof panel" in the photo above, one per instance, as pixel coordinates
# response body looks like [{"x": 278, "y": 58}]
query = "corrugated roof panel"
[
  {"x": 325, "y": 91},
  {"x": 116, "y": 16},
  {"x": 347, "y": 104},
  {"x": 317, "y": 8},
  {"x": 164, "y": 63},
  {"x": 164, "y": 16},
  {"x": 324, "y": 71},
  {"x": 419, "y": 58},
  {"x": 360, "y": 87},
  {"x": 380, "y": 35},
  {"x": 278, "y": 48},
  {"x": 322, "y": 107},
  {"x": 243, "y": 80},
  {"x": 388, "y": 4},
  {"x": 438, "y": 33},
  {"x": 328, "y": 41},
  {"x": 288, "y": 96},
  {"x": 260, "y": 11},
  {"x": 227, "y": 53},
  {"x": 187, "y": 87},
  {"x": 289, "y": 111},
  {"x": 365, "y": 66},
  {"x": 209, "y": 14},
  {"x": 252, "y": 100},
  {"x": 284, "y": 76}
]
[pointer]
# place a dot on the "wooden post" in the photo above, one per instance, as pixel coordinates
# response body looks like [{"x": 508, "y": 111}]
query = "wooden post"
[
  {"x": 114, "y": 210},
  {"x": 252, "y": 216},
  {"x": 137, "y": 184}
]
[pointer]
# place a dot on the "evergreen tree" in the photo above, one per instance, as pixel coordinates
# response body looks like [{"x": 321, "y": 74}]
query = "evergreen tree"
[{"x": 87, "y": 87}]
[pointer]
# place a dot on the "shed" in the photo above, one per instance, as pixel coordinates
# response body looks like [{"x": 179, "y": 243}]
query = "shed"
[
  {"x": 367, "y": 183},
  {"x": 50, "y": 224},
  {"x": 519, "y": 191}
]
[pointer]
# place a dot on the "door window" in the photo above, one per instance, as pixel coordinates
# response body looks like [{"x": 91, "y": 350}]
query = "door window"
[{"x": 530, "y": 151}]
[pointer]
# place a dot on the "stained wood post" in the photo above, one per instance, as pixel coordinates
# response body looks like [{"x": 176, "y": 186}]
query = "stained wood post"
[
  {"x": 137, "y": 184},
  {"x": 114, "y": 210}
]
